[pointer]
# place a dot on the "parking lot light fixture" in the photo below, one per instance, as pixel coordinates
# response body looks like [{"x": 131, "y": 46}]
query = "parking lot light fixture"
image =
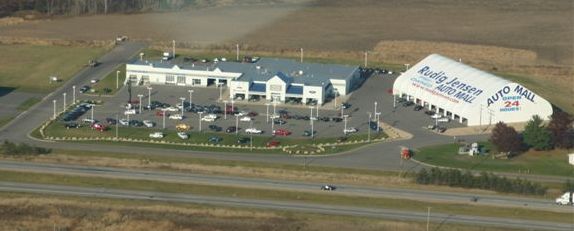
[
  {"x": 149, "y": 97},
  {"x": 335, "y": 98},
  {"x": 54, "y": 116},
  {"x": 345, "y": 129},
  {"x": 163, "y": 126},
  {"x": 140, "y": 102},
  {"x": 74, "y": 94},
  {"x": 190, "y": 95},
  {"x": 310, "y": 112},
  {"x": 378, "y": 117},
  {"x": 375, "y": 107},
  {"x": 317, "y": 111},
  {"x": 117, "y": 125},
  {"x": 64, "y": 94},
  {"x": 92, "y": 110},
  {"x": 225, "y": 109},
  {"x": 220, "y": 86},
  {"x": 407, "y": 66},
  {"x": 394, "y": 101},
  {"x": 117, "y": 79},
  {"x": 128, "y": 118},
  {"x": 232, "y": 105},
  {"x": 267, "y": 112},
  {"x": 200, "y": 113},
  {"x": 369, "y": 128},
  {"x": 182, "y": 107},
  {"x": 274, "y": 107},
  {"x": 342, "y": 110}
]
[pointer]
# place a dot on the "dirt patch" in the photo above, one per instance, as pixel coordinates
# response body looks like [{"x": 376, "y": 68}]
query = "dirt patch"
[{"x": 8, "y": 21}]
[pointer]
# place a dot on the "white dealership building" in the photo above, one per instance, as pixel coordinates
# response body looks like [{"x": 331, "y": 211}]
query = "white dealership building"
[
  {"x": 469, "y": 95},
  {"x": 270, "y": 78}
]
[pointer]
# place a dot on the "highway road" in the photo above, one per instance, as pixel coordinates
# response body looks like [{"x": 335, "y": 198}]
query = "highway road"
[
  {"x": 283, "y": 206},
  {"x": 235, "y": 181}
]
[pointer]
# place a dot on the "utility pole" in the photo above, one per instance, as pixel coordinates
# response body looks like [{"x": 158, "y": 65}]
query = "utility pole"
[
  {"x": 225, "y": 109},
  {"x": 164, "y": 112},
  {"x": 190, "y": 95},
  {"x": 173, "y": 49},
  {"x": 54, "y": 101},
  {"x": 366, "y": 54},
  {"x": 369, "y": 128},
  {"x": 267, "y": 112},
  {"x": 301, "y": 55},
  {"x": 311, "y": 120},
  {"x": 428, "y": 218},
  {"x": 149, "y": 97},
  {"x": 64, "y": 94},
  {"x": 200, "y": 113},
  {"x": 140, "y": 102},
  {"x": 377, "y": 116},
  {"x": 74, "y": 94},
  {"x": 236, "y": 124},
  {"x": 237, "y": 52},
  {"x": 182, "y": 107},
  {"x": 117, "y": 79},
  {"x": 92, "y": 109},
  {"x": 345, "y": 130}
]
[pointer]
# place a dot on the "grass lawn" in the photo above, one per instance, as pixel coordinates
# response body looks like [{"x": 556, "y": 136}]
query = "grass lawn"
[
  {"x": 107, "y": 85},
  {"x": 27, "y": 104},
  {"x": 5, "y": 120},
  {"x": 254, "y": 193},
  {"x": 28, "y": 67},
  {"x": 553, "y": 162}
]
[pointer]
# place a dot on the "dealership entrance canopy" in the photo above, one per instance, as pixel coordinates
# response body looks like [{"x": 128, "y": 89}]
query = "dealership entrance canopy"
[{"x": 464, "y": 93}]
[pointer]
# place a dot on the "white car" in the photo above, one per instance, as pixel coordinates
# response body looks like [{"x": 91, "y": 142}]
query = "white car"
[
  {"x": 444, "y": 120},
  {"x": 176, "y": 117},
  {"x": 124, "y": 122},
  {"x": 88, "y": 120},
  {"x": 172, "y": 109},
  {"x": 148, "y": 123},
  {"x": 157, "y": 135},
  {"x": 130, "y": 112},
  {"x": 208, "y": 119},
  {"x": 274, "y": 116},
  {"x": 350, "y": 130},
  {"x": 436, "y": 116},
  {"x": 211, "y": 116},
  {"x": 94, "y": 81},
  {"x": 241, "y": 113},
  {"x": 245, "y": 119},
  {"x": 183, "y": 135},
  {"x": 253, "y": 131}
]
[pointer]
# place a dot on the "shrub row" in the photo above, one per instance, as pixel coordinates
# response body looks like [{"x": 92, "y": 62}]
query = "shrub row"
[{"x": 9, "y": 148}]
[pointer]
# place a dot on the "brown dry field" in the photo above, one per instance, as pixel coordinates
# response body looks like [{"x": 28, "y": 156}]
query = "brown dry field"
[{"x": 28, "y": 212}]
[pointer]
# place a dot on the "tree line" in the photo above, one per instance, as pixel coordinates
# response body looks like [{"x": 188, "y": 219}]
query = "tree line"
[
  {"x": 488, "y": 181},
  {"x": 13, "y": 149},
  {"x": 559, "y": 133},
  {"x": 82, "y": 7}
]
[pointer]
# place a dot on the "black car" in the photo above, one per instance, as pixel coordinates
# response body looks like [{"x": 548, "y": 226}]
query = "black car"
[
  {"x": 214, "y": 128},
  {"x": 374, "y": 126},
  {"x": 308, "y": 133},
  {"x": 231, "y": 129},
  {"x": 214, "y": 139},
  {"x": 408, "y": 104},
  {"x": 440, "y": 129},
  {"x": 429, "y": 112},
  {"x": 243, "y": 140},
  {"x": 336, "y": 119},
  {"x": 71, "y": 125},
  {"x": 279, "y": 121},
  {"x": 136, "y": 123},
  {"x": 84, "y": 89},
  {"x": 324, "y": 119},
  {"x": 418, "y": 108},
  {"x": 328, "y": 188},
  {"x": 345, "y": 105},
  {"x": 111, "y": 121}
]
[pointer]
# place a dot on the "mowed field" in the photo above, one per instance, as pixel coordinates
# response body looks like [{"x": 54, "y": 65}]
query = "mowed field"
[{"x": 28, "y": 67}]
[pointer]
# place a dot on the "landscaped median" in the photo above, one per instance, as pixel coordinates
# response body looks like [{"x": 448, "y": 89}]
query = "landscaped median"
[{"x": 56, "y": 131}]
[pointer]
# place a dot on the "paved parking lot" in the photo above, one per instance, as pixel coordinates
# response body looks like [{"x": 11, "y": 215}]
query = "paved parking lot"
[{"x": 375, "y": 89}]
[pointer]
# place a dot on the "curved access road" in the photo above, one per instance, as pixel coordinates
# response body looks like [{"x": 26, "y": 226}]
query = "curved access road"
[
  {"x": 283, "y": 206},
  {"x": 274, "y": 184}
]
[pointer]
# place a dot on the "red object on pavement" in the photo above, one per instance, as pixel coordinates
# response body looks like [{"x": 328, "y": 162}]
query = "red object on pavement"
[
  {"x": 99, "y": 127},
  {"x": 281, "y": 132}
]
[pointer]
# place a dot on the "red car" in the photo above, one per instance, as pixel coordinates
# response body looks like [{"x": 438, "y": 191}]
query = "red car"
[
  {"x": 99, "y": 127},
  {"x": 281, "y": 132},
  {"x": 273, "y": 143},
  {"x": 161, "y": 113}
]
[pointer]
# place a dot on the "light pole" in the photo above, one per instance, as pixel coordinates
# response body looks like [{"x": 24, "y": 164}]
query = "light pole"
[
  {"x": 220, "y": 85},
  {"x": 377, "y": 117},
  {"x": 117, "y": 79},
  {"x": 54, "y": 101},
  {"x": 345, "y": 130},
  {"x": 366, "y": 53},
  {"x": 149, "y": 97},
  {"x": 369, "y": 128},
  {"x": 310, "y": 112},
  {"x": 375, "y": 107},
  {"x": 117, "y": 124},
  {"x": 317, "y": 111},
  {"x": 164, "y": 112},
  {"x": 342, "y": 110},
  {"x": 428, "y": 218},
  {"x": 64, "y": 94},
  {"x": 237, "y": 52},
  {"x": 190, "y": 95},
  {"x": 232, "y": 106},
  {"x": 225, "y": 109},
  {"x": 335, "y": 105},
  {"x": 407, "y": 66},
  {"x": 274, "y": 108},
  {"x": 182, "y": 101},
  {"x": 74, "y": 94},
  {"x": 394, "y": 101},
  {"x": 92, "y": 110},
  {"x": 140, "y": 102},
  {"x": 236, "y": 124},
  {"x": 200, "y": 113},
  {"x": 311, "y": 119},
  {"x": 267, "y": 111}
]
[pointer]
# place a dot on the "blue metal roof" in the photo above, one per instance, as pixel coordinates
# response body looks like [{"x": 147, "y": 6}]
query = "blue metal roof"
[
  {"x": 295, "y": 90},
  {"x": 258, "y": 87}
]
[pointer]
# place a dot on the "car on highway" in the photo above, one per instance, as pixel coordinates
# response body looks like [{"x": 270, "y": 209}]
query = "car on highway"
[
  {"x": 183, "y": 135},
  {"x": 281, "y": 132},
  {"x": 214, "y": 139},
  {"x": 245, "y": 119},
  {"x": 328, "y": 188},
  {"x": 175, "y": 117},
  {"x": 148, "y": 123},
  {"x": 253, "y": 131},
  {"x": 156, "y": 135},
  {"x": 214, "y": 128},
  {"x": 350, "y": 130}
]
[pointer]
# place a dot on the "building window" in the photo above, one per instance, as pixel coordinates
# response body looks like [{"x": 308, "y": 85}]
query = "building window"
[
  {"x": 170, "y": 78},
  {"x": 181, "y": 79},
  {"x": 275, "y": 87},
  {"x": 196, "y": 81}
]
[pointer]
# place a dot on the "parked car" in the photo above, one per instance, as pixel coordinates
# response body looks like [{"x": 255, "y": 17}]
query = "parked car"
[
  {"x": 273, "y": 143},
  {"x": 346, "y": 105},
  {"x": 88, "y": 121},
  {"x": 281, "y": 132},
  {"x": 440, "y": 129},
  {"x": 429, "y": 112},
  {"x": 156, "y": 135},
  {"x": 207, "y": 119},
  {"x": 84, "y": 89},
  {"x": 374, "y": 126},
  {"x": 130, "y": 112},
  {"x": 148, "y": 123},
  {"x": 336, "y": 119},
  {"x": 418, "y": 108},
  {"x": 176, "y": 117},
  {"x": 214, "y": 128},
  {"x": 214, "y": 139},
  {"x": 253, "y": 131},
  {"x": 350, "y": 130},
  {"x": 124, "y": 122},
  {"x": 71, "y": 125},
  {"x": 111, "y": 121},
  {"x": 136, "y": 123},
  {"x": 308, "y": 133},
  {"x": 279, "y": 121},
  {"x": 245, "y": 119},
  {"x": 172, "y": 109},
  {"x": 328, "y": 188},
  {"x": 161, "y": 113},
  {"x": 443, "y": 120},
  {"x": 252, "y": 114},
  {"x": 243, "y": 140},
  {"x": 436, "y": 116},
  {"x": 241, "y": 113},
  {"x": 99, "y": 127},
  {"x": 408, "y": 104},
  {"x": 183, "y": 135},
  {"x": 231, "y": 129}
]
